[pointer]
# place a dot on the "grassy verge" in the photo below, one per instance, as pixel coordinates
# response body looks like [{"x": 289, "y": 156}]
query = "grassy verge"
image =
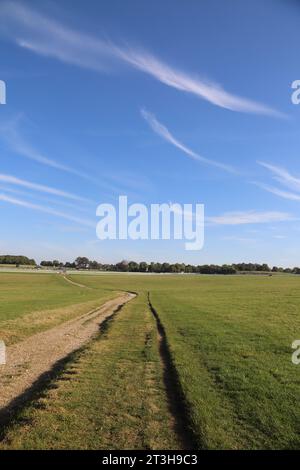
[{"x": 111, "y": 397}]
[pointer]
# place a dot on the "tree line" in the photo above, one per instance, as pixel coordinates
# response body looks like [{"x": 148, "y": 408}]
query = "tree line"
[
  {"x": 83, "y": 262},
  {"x": 131, "y": 266},
  {"x": 17, "y": 260}
]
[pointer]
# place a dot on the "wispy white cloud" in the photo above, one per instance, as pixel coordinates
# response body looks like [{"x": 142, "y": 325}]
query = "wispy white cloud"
[
  {"x": 250, "y": 217},
  {"x": 279, "y": 192},
  {"x": 283, "y": 176},
  {"x": 45, "y": 209},
  {"x": 239, "y": 217},
  {"x": 45, "y": 36},
  {"x": 163, "y": 132},
  {"x": 9, "y": 179},
  {"x": 48, "y": 200},
  {"x": 207, "y": 90},
  {"x": 10, "y": 133},
  {"x": 239, "y": 239}
]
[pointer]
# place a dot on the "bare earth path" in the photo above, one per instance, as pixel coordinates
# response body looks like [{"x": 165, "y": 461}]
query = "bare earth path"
[
  {"x": 34, "y": 356},
  {"x": 75, "y": 283}
]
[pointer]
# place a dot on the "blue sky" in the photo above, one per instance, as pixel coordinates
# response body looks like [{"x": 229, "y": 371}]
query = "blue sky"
[{"x": 188, "y": 102}]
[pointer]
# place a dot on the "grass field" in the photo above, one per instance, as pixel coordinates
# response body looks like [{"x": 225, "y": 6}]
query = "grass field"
[
  {"x": 227, "y": 345},
  {"x": 111, "y": 395},
  {"x": 33, "y": 302}
]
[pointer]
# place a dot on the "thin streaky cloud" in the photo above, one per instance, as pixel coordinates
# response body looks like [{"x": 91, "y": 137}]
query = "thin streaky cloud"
[
  {"x": 164, "y": 132},
  {"x": 10, "y": 133},
  {"x": 59, "y": 202},
  {"x": 9, "y": 179},
  {"x": 279, "y": 192},
  {"x": 239, "y": 239},
  {"x": 282, "y": 175},
  {"x": 48, "y": 37},
  {"x": 209, "y": 91},
  {"x": 238, "y": 217},
  {"x": 250, "y": 217},
  {"x": 45, "y": 209}
]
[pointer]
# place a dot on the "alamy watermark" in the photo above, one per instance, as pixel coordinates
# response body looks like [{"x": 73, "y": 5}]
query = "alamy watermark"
[
  {"x": 2, "y": 92},
  {"x": 296, "y": 94},
  {"x": 158, "y": 222}
]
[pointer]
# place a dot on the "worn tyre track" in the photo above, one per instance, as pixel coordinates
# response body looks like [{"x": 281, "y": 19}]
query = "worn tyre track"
[
  {"x": 31, "y": 358},
  {"x": 75, "y": 283},
  {"x": 177, "y": 404}
]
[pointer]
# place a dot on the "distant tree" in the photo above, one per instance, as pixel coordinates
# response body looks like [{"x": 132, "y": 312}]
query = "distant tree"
[
  {"x": 156, "y": 267},
  {"x": 150, "y": 267},
  {"x": 69, "y": 265},
  {"x": 227, "y": 269},
  {"x": 82, "y": 262},
  {"x": 133, "y": 267},
  {"x": 143, "y": 267},
  {"x": 122, "y": 266},
  {"x": 94, "y": 265},
  {"x": 47, "y": 263},
  {"x": 265, "y": 267},
  {"x": 189, "y": 268},
  {"x": 108, "y": 267},
  {"x": 17, "y": 260},
  {"x": 174, "y": 268},
  {"x": 165, "y": 268}
]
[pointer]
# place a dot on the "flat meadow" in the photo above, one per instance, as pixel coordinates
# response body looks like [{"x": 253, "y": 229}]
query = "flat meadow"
[
  {"x": 225, "y": 340},
  {"x": 36, "y": 301}
]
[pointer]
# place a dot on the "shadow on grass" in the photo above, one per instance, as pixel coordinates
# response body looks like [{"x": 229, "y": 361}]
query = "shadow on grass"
[{"x": 176, "y": 398}]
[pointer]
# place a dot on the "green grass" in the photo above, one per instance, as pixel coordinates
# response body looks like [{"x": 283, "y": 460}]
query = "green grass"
[
  {"x": 230, "y": 341},
  {"x": 33, "y": 302},
  {"x": 111, "y": 396}
]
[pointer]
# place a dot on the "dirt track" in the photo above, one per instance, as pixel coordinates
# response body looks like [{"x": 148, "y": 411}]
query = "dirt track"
[
  {"x": 75, "y": 283},
  {"x": 31, "y": 358}
]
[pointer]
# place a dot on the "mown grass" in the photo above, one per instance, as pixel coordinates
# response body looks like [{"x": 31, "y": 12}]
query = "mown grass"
[
  {"x": 33, "y": 302},
  {"x": 111, "y": 397},
  {"x": 230, "y": 341}
]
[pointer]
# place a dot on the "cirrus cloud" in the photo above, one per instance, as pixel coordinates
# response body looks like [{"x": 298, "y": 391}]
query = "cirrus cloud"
[
  {"x": 47, "y": 37},
  {"x": 250, "y": 217},
  {"x": 164, "y": 132}
]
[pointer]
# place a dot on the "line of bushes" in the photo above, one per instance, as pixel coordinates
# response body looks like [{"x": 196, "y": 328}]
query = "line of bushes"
[
  {"x": 132, "y": 266},
  {"x": 17, "y": 260},
  {"x": 83, "y": 262}
]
